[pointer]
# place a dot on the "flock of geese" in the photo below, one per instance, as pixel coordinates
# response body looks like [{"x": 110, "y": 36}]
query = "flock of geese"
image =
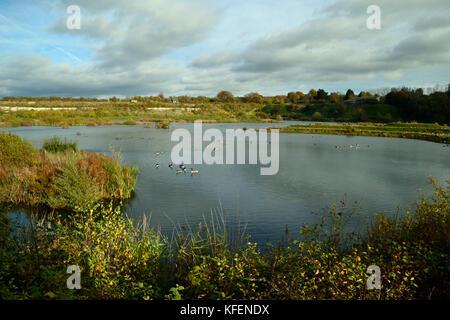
[
  {"x": 357, "y": 147},
  {"x": 178, "y": 171}
]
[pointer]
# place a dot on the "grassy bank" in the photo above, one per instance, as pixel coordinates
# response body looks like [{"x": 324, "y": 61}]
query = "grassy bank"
[
  {"x": 59, "y": 176},
  {"x": 92, "y": 113},
  {"x": 421, "y": 131},
  {"x": 119, "y": 260}
]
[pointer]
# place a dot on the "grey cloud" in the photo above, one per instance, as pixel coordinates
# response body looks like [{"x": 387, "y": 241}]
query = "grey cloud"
[
  {"x": 129, "y": 33},
  {"x": 213, "y": 60},
  {"x": 337, "y": 46},
  {"x": 432, "y": 23},
  {"x": 33, "y": 75}
]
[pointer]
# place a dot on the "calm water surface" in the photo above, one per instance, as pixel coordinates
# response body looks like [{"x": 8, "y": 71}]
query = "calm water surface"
[{"x": 383, "y": 174}]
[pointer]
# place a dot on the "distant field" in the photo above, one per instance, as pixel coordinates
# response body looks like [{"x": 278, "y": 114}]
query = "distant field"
[{"x": 66, "y": 113}]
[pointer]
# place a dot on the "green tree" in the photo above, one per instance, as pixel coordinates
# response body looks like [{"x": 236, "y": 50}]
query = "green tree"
[
  {"x": 301, "y": 95},
  {"x": 349, "y": 95},
  {"x": 254, "y": 97},
  {"x": 317, "y": 115},
  {"x": 321, "y": 94},
  {"x": 225, "y": 95},
  {"x": 335, "y": 97},
  {"x": 293, "y": 97},
  {"x": 312, "y": 93}
]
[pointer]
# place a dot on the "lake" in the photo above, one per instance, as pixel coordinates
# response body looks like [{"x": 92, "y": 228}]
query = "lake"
[{"x": 383, "y": 174}]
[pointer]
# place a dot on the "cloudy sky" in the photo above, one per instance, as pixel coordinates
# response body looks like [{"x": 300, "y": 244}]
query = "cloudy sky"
[{"x": 199, "y": 47}]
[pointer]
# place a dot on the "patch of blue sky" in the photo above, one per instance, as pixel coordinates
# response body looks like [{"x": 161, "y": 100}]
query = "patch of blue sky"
[{"x": 24, "y": 30}]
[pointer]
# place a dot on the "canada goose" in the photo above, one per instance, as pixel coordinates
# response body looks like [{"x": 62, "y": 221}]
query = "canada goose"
[
  {"x": 171, "y": 166},
  {"x": 194, "y": 171},
  {"x": 182, "y": 166},
  {"x": 157, "y": 165},
  {"x": 179, "y": 171}
]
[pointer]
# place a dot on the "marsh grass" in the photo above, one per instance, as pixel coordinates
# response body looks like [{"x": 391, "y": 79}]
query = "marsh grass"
[
  {"x": 56, "y": 144},
  {"x": 60, "y": 176}
]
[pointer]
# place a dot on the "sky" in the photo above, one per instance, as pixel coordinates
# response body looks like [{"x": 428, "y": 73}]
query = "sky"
[{"x": 200, "y": 47}]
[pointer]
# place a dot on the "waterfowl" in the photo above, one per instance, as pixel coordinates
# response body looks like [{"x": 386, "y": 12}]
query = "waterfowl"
[
  {"x": 179, "y": 171},
  {"x": 194, "y": 171},
  {"x": 182, "y": 166},
  {"x": 157, "y": 165},
  {"x": 171, "y": 166}
]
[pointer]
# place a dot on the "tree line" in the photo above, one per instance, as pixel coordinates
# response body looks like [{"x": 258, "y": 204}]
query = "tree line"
[{"x": 413, "y": 104}]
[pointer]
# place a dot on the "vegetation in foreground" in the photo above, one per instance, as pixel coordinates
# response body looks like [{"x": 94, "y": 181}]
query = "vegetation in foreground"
[
  {"x": 119, "y": 260},
  {"x": 59, "y": 176},
  {"x": 421, "y": 131}
]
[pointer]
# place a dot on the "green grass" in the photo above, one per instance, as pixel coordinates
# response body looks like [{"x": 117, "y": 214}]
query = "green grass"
[
  {"x": 421, "y": 131},
  {"x": 122, "y": 260}
]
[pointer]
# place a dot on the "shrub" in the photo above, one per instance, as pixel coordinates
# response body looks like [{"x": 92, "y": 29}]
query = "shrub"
[
  {"x": 16, "y": 152},
  {"x": 57, "y": 144},
  {"x": 317, "y": 115},
  {"x": 162, "y": 125},
  {"x": 62, "y": 180},
  {"x": 73, "y": 187}
]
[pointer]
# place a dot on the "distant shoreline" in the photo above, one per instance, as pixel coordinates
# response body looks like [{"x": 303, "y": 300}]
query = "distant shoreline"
[{"x": 417, "y": 131}]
